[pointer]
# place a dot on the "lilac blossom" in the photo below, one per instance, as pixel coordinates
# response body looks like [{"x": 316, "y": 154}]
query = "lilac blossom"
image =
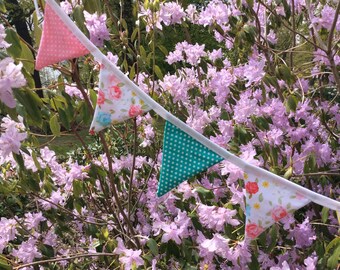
[
  {"x": 245, "y": 107},
  {"x": 215, "y": 12},
  {"x": 217, "y": 245},
  {"x": 253, "y": 71},
  {"x": 128, "y": 257},
  {"x": 97, "y": 27},
  {"x": 171, "y": 13},
  {"x": 66, "y": 7},
  {"x": 327, "y": 18},
  {"x": 303, "y": 234},
  {"x": 27, "y": 251},
  {"x": 32, "y": 220},
  {"x": 73, "y": 91},
  {"x": 10, "y": 77},
  {"x": 3, "y": 43},
  {"x": 11, "y": 138},
  {"x": 215, "y": 218}
]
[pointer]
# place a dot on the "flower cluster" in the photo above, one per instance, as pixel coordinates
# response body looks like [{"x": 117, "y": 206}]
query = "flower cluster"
[
  {"x": 10, "y": 77},
  {"x": 97, "y": 27}
]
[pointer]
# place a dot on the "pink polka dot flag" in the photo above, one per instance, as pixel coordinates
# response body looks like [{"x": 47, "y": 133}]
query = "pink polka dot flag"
[{"x": 58, "y": 43}]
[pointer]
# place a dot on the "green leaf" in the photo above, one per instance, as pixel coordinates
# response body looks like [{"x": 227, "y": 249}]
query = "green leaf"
[
  {"x": 163, "y": 49},
  {"x": 204, "y": 193},
  {"x": 310, "y": 164},
  {"x": 333, "y": 260},
  {"x": 77, "y": 188},
  {"x": 324, "y": 214},
  {"x": 335, "y": 242},
  {"x": 31, "y": 102},
  {"x": 37, "y": 29},
  {"x": 27, "y": 58},
  {"x": 78, "y": 16},
  {"x": 291, "y": 103},
  {"x": 158, "y": 72},
  {"x": 12, "y": 37},
  {"x": 288, "y": 173},
  {"x": 54, "y": 125},
  {"x": 152, "y": 244},
  {"x": 4, "y": 265},
  {"x": 92, "y": 6},
  {"x": 64, "y": 119},
  {"x": 47, "y": 250},
  {"x": 142, "y": 52},
  {"x": 273, "y": 238}
]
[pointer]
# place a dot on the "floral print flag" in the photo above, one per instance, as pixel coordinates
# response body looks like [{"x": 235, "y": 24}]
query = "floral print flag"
[
  {"x": 58, "y": 43},
  {"x": 115, "y": 102},
  {"x": 268, "y": 202}
]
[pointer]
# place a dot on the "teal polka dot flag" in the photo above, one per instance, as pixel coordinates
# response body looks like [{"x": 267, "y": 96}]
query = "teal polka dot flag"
[{"x": 183, "y": 157}]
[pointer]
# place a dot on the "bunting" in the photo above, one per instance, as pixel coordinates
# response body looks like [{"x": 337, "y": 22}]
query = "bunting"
[
  {"x": 183, "y": 157},
  {"x": 269, "y": 198},
  {"x": 268, "y": 202},
  {"x": 58, "y": 43},
  {"x": 115, "y": 102}
]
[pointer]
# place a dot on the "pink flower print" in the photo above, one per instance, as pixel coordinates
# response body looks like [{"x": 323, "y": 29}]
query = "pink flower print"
[
  {"x": 101, "y": 98},
  {"x": 278, "y": 213},
  {"x": 112, "y": 79},
  {"x": 115, "y": 92},
  {"x": 92, "y": 132},
  {"x": 299, "y": 196},
  {"x": 252, "y": 187},
  {"x": 135, "y": 110},
  {"x": 253, "y": 230}
]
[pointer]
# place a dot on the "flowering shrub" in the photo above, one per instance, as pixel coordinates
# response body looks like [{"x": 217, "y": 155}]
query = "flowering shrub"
[{"x": 259, "y": 78}]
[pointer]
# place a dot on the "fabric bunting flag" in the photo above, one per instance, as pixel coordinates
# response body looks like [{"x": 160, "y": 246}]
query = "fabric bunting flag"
[
  {"x": 268, "y": 202},
  {"x": 115, "y": 102},
  {"x": 58, "y": 43},
  {"x": 183, "y": 157}
]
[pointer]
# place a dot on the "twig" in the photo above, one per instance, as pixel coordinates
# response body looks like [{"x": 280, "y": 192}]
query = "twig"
[
  {"x": 62, "y": 259},
  {"x": 133, "y": 165}
]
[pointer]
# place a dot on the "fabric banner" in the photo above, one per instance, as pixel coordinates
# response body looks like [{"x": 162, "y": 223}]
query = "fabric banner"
[
  {"x": 268, "y": 202},
  {"x": 58, "y": 43},
  {"x": 183, "y": 157},
  {"x": 115, "y": 102}
]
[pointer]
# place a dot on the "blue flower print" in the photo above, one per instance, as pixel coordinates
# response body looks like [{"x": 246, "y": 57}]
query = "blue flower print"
[
  {"x": 248, "y": 208},
  {"x": 103, "y": 118}
]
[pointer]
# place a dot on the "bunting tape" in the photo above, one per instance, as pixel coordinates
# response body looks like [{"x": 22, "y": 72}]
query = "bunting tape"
[{"x": 99, "y": 56}]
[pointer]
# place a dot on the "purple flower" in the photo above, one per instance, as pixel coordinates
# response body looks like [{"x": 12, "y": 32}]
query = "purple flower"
[
  {"x": 215, "y": 12},
  {"x": 3, "y": 43},
  {"x": 32, "y": 221},
  {"x": 217, "y": 245},
  {"x": 10, "y": 77},
  {"x": 311, "y": 262},
  {"x": 73, "y": 91},
  {"x": 253, "y": 71},
  {"x": 97, "y": 28},
  {"x": 128, "y": 257},
  {"x": 215, "y": 218},
  {"x": 303, "y": 234},
  {"x": 27, "y": 251},
  {"x": 66, "y": 7},
  {"x": 10, "y": 140},
  {"x": 171, "y": 13},
  {"x": 245, "y": 107}
]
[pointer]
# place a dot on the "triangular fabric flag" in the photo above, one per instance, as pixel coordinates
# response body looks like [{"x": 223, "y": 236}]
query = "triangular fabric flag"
[
  {"x": 267, "y": 202},
  {"x": 115, "y": 102},
  {"x": 58, "y": 43},
  {"x": 183, "y": 157}
]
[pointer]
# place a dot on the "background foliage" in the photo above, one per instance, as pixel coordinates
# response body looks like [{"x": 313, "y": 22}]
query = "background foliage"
[{"x": 260, "y": 78}]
